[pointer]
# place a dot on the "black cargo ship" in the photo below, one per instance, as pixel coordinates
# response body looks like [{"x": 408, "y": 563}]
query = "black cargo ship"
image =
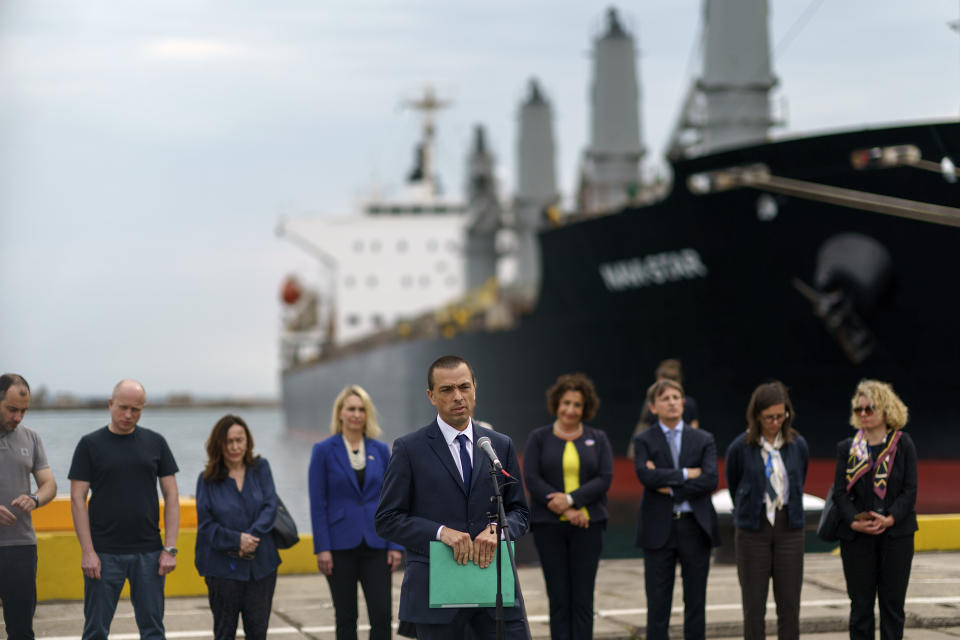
[{"x": 818, "y": 261}]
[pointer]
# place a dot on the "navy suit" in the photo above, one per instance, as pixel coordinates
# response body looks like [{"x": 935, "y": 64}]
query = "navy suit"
[
  {"x": 341, "y": 512},
  {"x": 664, "y": 539},
  {"x": 423, "y": 490}
]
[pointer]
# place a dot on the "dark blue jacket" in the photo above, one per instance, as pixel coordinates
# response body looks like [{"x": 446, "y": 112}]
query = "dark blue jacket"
[
  {"x": 543, "y": 472},
  {"x": 223, "y": 513},
  {"x": 747, "y": 481},
  {"x": 342, "y": 511}
]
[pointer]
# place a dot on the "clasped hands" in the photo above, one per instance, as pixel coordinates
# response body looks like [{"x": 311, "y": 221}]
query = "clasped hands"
[
  {"x": 692, "y": 472},
  {"x": 479, "y": 550},
  {"x": 873, "y": 525},
  {"x": 558, "y": 503},
  {"x": 248, "y": 545}
]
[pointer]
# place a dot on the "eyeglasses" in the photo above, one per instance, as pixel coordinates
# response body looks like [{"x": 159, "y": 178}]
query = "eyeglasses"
[
  {"x": 865, "y": 411},
  {"x": 774, "y": 419}
]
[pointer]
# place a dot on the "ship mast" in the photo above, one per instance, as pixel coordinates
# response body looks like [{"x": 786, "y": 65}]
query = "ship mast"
[
  {"x": 729, "y": 105},
  {"x": 424, "y": 173},
  {"x": 610, "y": 171},
  {"x": 536, "y": 192}
]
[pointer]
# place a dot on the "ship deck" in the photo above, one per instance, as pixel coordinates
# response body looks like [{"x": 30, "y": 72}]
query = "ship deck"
[{"x": 303, "y": 609}]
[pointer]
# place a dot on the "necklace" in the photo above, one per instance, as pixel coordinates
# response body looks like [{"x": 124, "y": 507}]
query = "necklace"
[
  {"x": 358, "y": 458},
  {"x": 567, "y": 435}
]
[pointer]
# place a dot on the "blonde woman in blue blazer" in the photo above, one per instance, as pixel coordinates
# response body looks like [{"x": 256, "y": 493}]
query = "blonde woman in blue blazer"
[{"x": 346, "y": 473}]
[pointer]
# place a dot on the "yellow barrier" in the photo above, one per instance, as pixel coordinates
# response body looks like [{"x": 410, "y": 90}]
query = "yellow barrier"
[
  {"x": 58, "y": 562},
  {"x": 939, "y": 532},
  {"x": 59, "y": 576},
  {"x": 56, "y": 515}
]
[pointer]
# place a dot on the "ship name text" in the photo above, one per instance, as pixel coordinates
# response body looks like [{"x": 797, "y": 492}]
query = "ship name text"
[{"x": 653, "y": 269}]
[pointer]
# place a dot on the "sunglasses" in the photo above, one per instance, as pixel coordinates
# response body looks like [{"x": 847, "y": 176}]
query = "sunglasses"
[{"x": 865, "y": 411}]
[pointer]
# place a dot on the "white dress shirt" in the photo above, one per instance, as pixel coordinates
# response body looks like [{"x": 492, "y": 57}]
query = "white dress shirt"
[{"x": 450, "y": 436}]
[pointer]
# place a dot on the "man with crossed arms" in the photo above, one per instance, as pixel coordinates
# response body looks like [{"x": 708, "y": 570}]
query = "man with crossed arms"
[{"x": 677, "y": 465}]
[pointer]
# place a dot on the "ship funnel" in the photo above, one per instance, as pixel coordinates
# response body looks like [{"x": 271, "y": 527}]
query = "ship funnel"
[{"x": 611, "y": 164}]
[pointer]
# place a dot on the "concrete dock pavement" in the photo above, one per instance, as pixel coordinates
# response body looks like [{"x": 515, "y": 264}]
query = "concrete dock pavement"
[{"x": 302, "y": 606}]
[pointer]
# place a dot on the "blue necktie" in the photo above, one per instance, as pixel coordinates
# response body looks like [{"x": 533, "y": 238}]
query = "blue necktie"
[
  {"x": 674, "y": 450},
  {"x": 465, "y": 462}
]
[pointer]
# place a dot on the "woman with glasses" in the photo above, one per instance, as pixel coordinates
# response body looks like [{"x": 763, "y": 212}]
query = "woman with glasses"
[
  {"x": 766, "y": 467},
  {"x": 875, "y": 493}
]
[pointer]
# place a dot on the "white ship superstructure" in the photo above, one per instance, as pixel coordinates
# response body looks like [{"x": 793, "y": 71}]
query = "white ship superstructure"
[{"x": 397, "y": 258}]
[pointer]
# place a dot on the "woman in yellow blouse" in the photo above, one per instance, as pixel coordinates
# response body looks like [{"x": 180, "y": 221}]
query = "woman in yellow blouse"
[{"x": 567, "y": 468}]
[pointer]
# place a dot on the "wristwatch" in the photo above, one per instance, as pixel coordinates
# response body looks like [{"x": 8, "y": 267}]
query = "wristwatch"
[
  {"x": 171, "y": 550},
  {"x": 36, "y": 499}
]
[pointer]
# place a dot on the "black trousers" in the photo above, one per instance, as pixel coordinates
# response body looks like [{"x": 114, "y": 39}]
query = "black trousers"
[
  {"x": 771, "y": 552},
  {"x": 18, "y": 589},
  {"x": 877, "y": 568},
  {"x": 472, "y": 624},
  {"x": 229, "y": 599},
  {"x": 369, "y": 567},
  {"x": 689, "y": 545},
  {"x": 569, "y": 557}
]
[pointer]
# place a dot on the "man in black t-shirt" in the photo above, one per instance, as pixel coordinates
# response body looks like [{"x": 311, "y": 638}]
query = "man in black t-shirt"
[{"x": 119, "y": 533}]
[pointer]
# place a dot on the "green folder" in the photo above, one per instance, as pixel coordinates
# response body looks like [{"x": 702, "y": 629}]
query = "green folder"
[{"x": 467, "y": 585}]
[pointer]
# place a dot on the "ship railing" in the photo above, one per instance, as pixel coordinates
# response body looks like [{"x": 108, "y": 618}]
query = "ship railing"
[{"x": 758, "y": 176}]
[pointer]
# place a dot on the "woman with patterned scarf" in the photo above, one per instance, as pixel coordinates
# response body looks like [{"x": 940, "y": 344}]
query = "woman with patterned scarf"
[
  {"x": 766, "y": 467},
  {"x": 875, "y": 492}
]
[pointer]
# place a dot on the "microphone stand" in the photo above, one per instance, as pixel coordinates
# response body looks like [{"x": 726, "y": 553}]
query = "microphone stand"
[{"x": 504, "y": 530}]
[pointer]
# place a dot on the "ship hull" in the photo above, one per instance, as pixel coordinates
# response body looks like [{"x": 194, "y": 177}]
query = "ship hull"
[{"x": 704, "y": 279}]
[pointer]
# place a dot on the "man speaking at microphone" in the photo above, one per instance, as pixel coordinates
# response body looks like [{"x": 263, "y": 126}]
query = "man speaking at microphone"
[{"x": 437, "y": 487}]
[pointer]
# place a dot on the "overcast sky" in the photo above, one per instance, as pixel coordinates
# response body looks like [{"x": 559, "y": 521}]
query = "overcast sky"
[{"x": 148, "y": 148}]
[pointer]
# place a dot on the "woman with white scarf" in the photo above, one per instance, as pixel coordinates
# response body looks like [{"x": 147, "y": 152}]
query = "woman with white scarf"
[
  {"x": 766, "y": 467},
  {"x": 875, "y": 493}
]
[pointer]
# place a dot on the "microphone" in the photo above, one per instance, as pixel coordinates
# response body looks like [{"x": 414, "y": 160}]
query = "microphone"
[{"x": 485, "y": 446}]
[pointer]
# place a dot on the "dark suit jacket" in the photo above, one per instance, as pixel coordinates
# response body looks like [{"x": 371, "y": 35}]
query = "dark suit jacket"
[
  {"x": 422, "y": 490},
  {"x": 342, "y": 511},
  {"x": 747, "y": 481},
  {"x": 697, "y": 449},
  {"x": 543, "y": 472},
  {"x": 900, "y": 500}
]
